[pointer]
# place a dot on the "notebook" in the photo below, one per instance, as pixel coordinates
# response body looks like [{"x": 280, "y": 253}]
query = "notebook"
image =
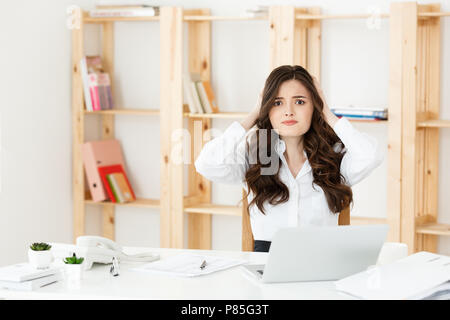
[
  {"x": 23, "y": 272},
  {"x": 33, "y": 284},
  {"x": 418, "y": 276}
]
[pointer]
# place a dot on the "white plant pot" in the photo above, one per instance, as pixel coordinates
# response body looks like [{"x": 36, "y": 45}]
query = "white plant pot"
[
  {"x": 40, "y": 259},
  {"x": 73, "y": 274}
]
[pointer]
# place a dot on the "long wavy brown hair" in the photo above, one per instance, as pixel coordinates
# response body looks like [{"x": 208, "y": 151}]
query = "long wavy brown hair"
[{"x": 318, "y": 143}]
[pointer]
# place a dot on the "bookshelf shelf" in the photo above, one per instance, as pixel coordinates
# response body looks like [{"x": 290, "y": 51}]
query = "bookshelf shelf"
[
  {"x": 366, "y": 220},
  {"x": 88, "y": 19},
  {"x": 140, "y": 203},
  {"x": 209, "y": 208},
  {"x": 145, "y": 112},
  {"x": 337, "y": 16},
  {"x": 422, "y": 15},
  {"x": 433, "y": 14},
  {"x": 223, "y": 18},
  {"x": 434, "y": 124},
  {"x": 218, "y": 115},
  {"x": 437, "y": 229}
]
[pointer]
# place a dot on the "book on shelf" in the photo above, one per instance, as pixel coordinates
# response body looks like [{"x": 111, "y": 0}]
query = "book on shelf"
[
  {"x": 207, "y": 96},
  {"x": 364, "y": 118},
  {"x": 110, "y": 190},
  {"x": 104, "y": 85},
  {"x": 124, "y": 11},
  {"x": 94, "y": 92},
  {"x": 361, "y": 112},
  {"x": 86, "y": 87},
  {"x": 199, "y": 94},
  {"x": 257, "y": 11},
  {"x": 120, "y": 187},
  {"x": 96, "y": 84},
  {"x": 96, "y": 154},
  {"x": 204, "y": 100},
  {"x": 190, "y": 92},
  {"x": 123, "y": 5}
]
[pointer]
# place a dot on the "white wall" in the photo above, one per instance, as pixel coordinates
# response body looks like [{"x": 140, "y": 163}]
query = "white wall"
[{"x": 35, "y": 117}]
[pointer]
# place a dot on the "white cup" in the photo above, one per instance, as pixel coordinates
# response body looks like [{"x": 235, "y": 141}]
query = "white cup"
[{"x": 391, "y": 252}]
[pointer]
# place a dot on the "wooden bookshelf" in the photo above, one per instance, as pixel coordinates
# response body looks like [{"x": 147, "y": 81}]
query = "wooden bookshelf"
[
  {"x": 295, "y": 38},
  {"x": 415, "y": 84}
]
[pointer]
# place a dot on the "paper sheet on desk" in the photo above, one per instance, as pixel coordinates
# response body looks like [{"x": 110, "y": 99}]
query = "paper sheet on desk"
[{"x": 188, "y": 265}]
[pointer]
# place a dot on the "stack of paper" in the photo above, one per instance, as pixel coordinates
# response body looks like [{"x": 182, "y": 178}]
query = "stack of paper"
[
  {"x": 189, "y": 265},
  {"x": 25, "y": 277},
  {"x": 423, "y": 275}
]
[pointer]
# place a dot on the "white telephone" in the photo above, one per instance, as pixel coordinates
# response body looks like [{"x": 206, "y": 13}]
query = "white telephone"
[{"x": 96, "y": 249}]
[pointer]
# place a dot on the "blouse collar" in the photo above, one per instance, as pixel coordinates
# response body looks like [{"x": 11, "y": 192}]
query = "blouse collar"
[{"x": 280, "y": 148}]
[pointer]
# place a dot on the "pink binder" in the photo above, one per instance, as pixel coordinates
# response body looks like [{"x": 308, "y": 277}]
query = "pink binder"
[{"x": 97, "y": 154}]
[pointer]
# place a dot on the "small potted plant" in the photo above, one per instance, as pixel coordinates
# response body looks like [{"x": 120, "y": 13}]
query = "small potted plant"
[
  {"x": 73, "y": 269},
  {"x": 39, "y": 255}
]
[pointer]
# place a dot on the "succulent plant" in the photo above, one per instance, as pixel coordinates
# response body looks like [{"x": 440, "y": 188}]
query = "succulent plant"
[
  {"x": 40, "y": 246},
  {"x": 73, "y": 259}
]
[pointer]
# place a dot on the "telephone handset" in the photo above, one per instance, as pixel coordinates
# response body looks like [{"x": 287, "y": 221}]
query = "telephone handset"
[
  {"x": 99, "y": 244},
  {"x": 97, "y": 249}
]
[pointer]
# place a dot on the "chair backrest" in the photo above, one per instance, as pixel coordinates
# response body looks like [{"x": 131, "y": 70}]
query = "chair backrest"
[
  {"x": 247, "y": 234},
  {"x": 344, "y": 217}
]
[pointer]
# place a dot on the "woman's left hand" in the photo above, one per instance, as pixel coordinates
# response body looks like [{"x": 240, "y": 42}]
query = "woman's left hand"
[{"x": 330, "y": 117}]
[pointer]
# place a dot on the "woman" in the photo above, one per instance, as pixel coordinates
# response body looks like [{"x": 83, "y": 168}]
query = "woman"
[{"x": 300, "y": 162}]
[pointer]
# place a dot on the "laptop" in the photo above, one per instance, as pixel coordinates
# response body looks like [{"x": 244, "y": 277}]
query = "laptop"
[{"x": 320, "y": 253}]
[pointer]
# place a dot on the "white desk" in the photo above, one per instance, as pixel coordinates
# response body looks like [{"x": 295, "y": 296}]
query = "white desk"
[{"x": 230, "y": 284}]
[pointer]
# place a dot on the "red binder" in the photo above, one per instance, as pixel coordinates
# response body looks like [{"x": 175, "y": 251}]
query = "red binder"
[{"x": 103, "y": 171}]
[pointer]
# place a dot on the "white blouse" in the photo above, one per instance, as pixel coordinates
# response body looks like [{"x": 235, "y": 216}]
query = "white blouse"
[{"x": 224, "y": 160}]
